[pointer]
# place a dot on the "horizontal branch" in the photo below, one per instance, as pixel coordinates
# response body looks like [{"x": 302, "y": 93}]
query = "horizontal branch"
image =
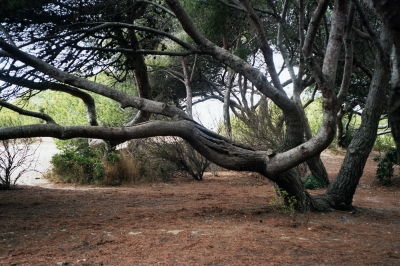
[
  {"x": 141, "y": 51},
  {"x": 22, "y": 111},
  {"x": 75, "y": 81},
  {"x": 214, "y": 147}
]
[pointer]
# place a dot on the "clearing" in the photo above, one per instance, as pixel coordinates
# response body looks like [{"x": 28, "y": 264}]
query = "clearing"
[{"x": 223, "y": 220}]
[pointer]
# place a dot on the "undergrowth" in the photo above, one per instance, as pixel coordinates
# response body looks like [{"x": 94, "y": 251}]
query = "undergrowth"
[
  {"x": 285, "y": 203},
  {"x": 142, "y": 161},
  {"x": 385, "y": 169},
  {"x": 312, "y": 182}
]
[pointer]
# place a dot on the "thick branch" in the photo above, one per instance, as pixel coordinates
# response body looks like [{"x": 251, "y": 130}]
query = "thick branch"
[
  {"x": 211, "y": 145},
  {"x": 122, "y": 98},
  {"x": 348, "y": 65}
]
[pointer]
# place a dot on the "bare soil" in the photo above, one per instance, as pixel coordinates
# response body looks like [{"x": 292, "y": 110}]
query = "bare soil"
[{"x": 222, "y": 220}]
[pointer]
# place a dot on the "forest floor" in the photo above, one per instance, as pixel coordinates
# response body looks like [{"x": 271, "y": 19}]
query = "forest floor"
[{"x": 223, "y": 220}]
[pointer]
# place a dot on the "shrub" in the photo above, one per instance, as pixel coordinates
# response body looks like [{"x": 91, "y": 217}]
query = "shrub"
[
  {"x": 142, "y": 161},
  {"x": 385, "y": 169},
  {"x": 384, "y": 142},
  {"x": 77, "y": 167},
  {"x": 77, "y": 162},
  {"x": 121, "y": 169},
  {"x": 284, "y": 202},
  {"x": 313, "y": 182},
  {"x": 175, "y": 155}
]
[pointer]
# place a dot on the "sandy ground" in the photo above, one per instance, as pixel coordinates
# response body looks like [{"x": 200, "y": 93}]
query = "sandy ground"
[
  {"x": 222, "y": 220},
  {"x": 46, "y": 150}
]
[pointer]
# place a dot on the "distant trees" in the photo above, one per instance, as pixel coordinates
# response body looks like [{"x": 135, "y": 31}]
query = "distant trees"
[{"x": 336, "y": 48}]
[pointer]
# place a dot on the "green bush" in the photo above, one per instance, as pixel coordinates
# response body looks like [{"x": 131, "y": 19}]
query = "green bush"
[
  {"x": 384, "y": 142},
  {"x": 385, "y": 169},
  {"x": 312, "y": 182},
  {"x": 143, "y": 161},
  {"x": 77, "y": 167},
  {"x": 77, "y": 162}
]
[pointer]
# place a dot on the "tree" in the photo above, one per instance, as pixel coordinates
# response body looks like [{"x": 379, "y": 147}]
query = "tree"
[
  {"x": 390, "y": 12},
  {"x": 317, "y": 32}
]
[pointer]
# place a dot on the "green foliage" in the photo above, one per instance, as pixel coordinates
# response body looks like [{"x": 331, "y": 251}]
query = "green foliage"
[
  {"x": 216, "y": 22},
  {"x": 68, "y": 110},
  {"x": 385, "y": 170},
  {"x": 260, "y": 130},
  {"x": 8, "y": 116},
  {"x": 80, "y": 165},
  {"x": 384, "y": 142},
  {"x": 314, "y": 115},
  {"x": 313, "y": 182},
  {"x": 286, "y": 203},
  {"x": 210, "y": 17}
]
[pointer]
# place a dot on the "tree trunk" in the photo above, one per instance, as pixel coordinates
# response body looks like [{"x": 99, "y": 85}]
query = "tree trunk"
[
  {"x": 186, "y": 79},
  {"x": 394, "y": 102},
  {"x": 226, "y": 113},
  {"x": 390, "y": 13},
  {"x": 342, "y": 189},
  {"x": 315, "y": 164},
  {"x": 290, "y": 181},
  {"x": 340, "y": 131},
  {"x": 318, "y": 170}
]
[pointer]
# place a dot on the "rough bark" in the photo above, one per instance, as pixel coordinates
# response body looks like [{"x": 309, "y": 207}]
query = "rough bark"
[
  {"x": 342, "y": 189},
  {"x": 390, "y": 13},
  {"x": 226, "y": 106}
]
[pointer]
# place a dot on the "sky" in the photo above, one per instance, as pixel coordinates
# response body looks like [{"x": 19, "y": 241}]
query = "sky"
[{"x": 209, "y": 113}]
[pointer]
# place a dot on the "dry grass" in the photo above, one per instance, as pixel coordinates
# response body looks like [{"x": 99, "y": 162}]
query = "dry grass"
[{"x": 127, "y": 170}]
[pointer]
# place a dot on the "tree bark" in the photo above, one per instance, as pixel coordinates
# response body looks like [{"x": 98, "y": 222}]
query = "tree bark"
[
  {"x": 226, "y": 106},
  {"x": 340, "y": 131},
  {"x": 342, "y": 189},
  {"x": 186, "y": 80},
  {"x": 390, "y": 13}
]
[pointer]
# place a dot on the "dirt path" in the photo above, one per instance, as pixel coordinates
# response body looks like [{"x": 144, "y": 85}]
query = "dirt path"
[{"x": 224, "y": 220}]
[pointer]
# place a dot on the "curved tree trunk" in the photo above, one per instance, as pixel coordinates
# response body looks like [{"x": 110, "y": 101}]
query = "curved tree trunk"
[
  {"x": 318, "y": 170},
  {"x": 342, "y": 189},
  {"x": 315, "y": 164},
  {"x": 390, "y": 13},
  {"x": 290, "y": 180}
]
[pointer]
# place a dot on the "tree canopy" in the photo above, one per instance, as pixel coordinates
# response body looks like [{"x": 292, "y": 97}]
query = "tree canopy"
[{"x": 176, "y": 53}]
